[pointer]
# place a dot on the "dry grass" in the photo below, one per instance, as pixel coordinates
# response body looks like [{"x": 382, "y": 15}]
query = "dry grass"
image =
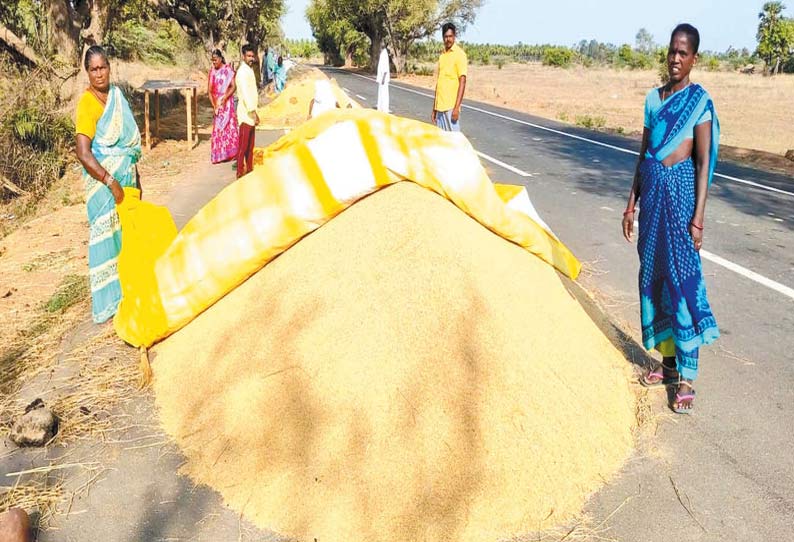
[
  {"x": 755, "y": 111},
  {"x": 41, "y": 497}
]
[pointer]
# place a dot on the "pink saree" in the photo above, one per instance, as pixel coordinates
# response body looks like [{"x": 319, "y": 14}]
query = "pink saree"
[{"x": 225, "y": 137}]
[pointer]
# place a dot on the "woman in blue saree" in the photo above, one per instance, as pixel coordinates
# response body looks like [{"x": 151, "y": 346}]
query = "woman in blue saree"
[
  {"x": 108, "y": 147},
  {"x": 280, "y": 75},
  {"x": 677, "y": 161}
]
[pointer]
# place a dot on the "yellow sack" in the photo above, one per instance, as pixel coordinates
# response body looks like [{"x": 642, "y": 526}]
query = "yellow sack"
[{"x": 146, "y": 232}]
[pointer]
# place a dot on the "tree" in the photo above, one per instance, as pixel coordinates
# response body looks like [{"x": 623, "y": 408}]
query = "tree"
[
  {"x": 215, "y": 22},
  {"x": 408, "y": 21},
  {"x": 395, "y": 23},
  {"x": 644, "y": 42},
  {"x": 336, "y": 38},
  {"x": 775, "y": 36}
]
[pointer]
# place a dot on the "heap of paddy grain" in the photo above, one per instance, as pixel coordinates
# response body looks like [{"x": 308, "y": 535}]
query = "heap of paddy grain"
[
  {"x": 400, "y": 374},
  {"x": 290, "y": 108}
]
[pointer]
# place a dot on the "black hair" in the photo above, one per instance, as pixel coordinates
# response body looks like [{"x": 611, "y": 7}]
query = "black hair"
[
  {"x": 248, "y": 47},
  {"x": 91, "y": 52},
  {"x": 448, "y": 26},
  {"x": 691, "y": 32},
  {"x": 280, "y": 59},
  {"x": 219, "y": 54}
]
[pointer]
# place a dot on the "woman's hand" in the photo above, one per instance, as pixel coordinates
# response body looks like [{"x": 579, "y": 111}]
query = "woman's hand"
[
  {"x": 697, "y": 235},
  {"x": 628, "y": 225},
  {"x": 116, "y": 190}
]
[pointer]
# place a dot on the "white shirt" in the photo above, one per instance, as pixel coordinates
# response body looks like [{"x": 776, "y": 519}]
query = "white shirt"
[{"x": 247, "y": 95}]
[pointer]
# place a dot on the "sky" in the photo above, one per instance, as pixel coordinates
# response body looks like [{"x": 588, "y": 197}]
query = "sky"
[{"x": 722, "y": 23}]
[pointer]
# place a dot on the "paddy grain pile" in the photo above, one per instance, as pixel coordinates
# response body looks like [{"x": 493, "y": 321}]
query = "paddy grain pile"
[
  {"x": 400, "y": 374},
  {"x": 291, "y": 108}
]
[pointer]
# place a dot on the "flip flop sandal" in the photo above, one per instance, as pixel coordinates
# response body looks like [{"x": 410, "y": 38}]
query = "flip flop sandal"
[
  {"x": 655, "y": 378},
  {"x": 682, "y": 397}
]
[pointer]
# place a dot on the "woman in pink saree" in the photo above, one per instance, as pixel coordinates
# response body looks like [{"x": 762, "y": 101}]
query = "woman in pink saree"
[{"x": 220, "y": 89}]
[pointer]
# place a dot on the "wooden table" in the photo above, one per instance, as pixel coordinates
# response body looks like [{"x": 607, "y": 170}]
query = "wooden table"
[{"x": 189, "y": 91}]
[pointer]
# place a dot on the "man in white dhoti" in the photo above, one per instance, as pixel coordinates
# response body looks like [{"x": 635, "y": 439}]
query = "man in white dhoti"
[{"x": 383, "y": 81}]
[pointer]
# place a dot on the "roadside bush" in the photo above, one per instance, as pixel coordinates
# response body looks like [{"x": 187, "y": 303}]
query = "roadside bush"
[
  {"x": 560, "y": 57},
  {"x": 591, "y": 123},
  {"x": 421, "y": 69},
  {"x": 36, "y": 134},
  {"x": 157, "y": 43}
]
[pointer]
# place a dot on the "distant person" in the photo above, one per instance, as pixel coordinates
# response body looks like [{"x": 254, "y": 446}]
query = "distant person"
[
  {"x": 324, "y": 99},
  {"x": 677, "y": 160},
  {"x": 108, "y": 145},
  {"x": 247, "y": 117},
  {"x": 383, "y": 77},
  {"x": 280, "y": 75},
  {"x": 451, "y": 83},
  {"x": 268, "y": 66},
  {"x": 225, "y": 140}
]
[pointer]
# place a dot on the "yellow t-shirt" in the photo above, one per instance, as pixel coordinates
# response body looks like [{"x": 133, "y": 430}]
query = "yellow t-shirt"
[
  {"x": 451, "y": 65},
  {"x": 89, "y": 111}
]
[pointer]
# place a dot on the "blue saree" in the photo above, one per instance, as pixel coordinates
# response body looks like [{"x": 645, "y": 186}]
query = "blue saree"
[
  {"x": 280, "y": 78},
  {"x": 674, "y": 307},
  {"x": 117, "y": 147}
]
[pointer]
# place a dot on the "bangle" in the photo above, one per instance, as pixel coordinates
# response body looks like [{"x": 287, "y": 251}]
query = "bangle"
[
  {"x": 697, "y": 226},
  {"x": 628, "y": 211}
]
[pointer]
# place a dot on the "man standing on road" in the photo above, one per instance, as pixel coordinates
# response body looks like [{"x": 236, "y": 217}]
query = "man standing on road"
[
  {"x": 383, "y": 81},
  {"x": 247, "y": 101},
  {"x": 451, "y": 83}
]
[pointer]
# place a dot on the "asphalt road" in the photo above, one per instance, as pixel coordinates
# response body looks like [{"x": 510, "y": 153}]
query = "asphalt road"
[{"x": 725, "y": 473}]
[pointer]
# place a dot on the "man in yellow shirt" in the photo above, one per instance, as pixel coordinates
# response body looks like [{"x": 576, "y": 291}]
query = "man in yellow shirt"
[
  {"x": 451, "y": 83},
  {"x": 247, "y": 101}
]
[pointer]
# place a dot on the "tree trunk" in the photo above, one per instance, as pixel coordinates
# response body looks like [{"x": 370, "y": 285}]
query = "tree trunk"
[
  {"x": 349, "y": 57},
  {"x": 64, "y": 31},
  {"x": 399, "y": 55},
  {"x": 18, "y": 48},
  {"x": 99, "y": 20},
  {"x": 375, "y": 44}
]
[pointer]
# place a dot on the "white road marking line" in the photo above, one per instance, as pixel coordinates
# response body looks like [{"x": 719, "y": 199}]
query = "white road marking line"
[
  {"x": 736, "y": 268},
  {"x": 360, "y": 97},
  {"x": 585, "y": 139},
  {"x": 747, "y": 273},
  {"x": 508, "y": 167}
]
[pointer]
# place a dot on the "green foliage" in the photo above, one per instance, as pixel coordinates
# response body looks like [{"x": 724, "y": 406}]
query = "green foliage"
[
  {"x": 710, "y": 62},
  {"x": 661, "y": 59},
  {"x": 36, "y": 135},
  {"x": 775, "y": 36},
  {"x": 397, "y": 24},
  {"x": 421, "y": 69},
  {"x": 72, "y": 290},
  {"x": 302, "y": 48},
  {"x": 27, "y": 19},
  {"x": 560, "y": 57},
  {"x": 336, "y": 37},
  {"x": 158, "y": 42},
  {"x": 589, "y": 122}
]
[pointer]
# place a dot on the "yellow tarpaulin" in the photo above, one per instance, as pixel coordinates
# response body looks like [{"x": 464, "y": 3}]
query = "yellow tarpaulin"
[
  {"x": 305, "y": 179},
  {"x": 147, "y": 230}
]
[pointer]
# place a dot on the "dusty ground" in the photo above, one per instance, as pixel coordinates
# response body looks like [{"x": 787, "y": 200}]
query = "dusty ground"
[
  {"x": 755, "y": 111},
  {"x": 47, "y": 347}
]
